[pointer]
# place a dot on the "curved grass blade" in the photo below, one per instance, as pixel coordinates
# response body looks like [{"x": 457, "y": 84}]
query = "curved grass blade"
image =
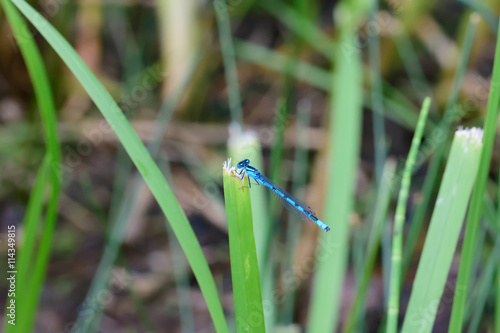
[
  {"x": 32, "y": 278},
  {"x": 141, "y": 158}
]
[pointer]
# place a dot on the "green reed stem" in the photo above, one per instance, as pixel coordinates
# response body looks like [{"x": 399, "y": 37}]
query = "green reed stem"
[{"x": 397, "y": 238}]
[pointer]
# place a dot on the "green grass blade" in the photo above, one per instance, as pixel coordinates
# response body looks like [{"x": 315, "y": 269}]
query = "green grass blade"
[
  {"x": 33, "y": 279},
  {"x": 444, "y": 229},
  {"x": 31, "y": 224},
  {"x": 397, "y": 238},
  {"x": 477, "y": 201},
  {"x": 31, "y": 296},
  {"x": 244, "y": 266},
  {"x": 39, "y": 78},
  {"x": 345, "y": 129},
  {"x": 241, "y": 146},
  {"x": 227, "y": 48},
  {"x": 141, "y": 158}
]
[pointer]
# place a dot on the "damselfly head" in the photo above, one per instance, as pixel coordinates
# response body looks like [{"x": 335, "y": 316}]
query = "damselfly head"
[{"x": 243, "y": 163}]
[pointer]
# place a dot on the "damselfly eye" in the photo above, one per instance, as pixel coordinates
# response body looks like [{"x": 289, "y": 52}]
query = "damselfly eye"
[{"x": 243, "y": 163}]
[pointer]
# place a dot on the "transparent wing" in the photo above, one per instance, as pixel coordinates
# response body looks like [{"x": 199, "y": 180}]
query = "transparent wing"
[
  {"x": 282, "y": 199},
  {"x": 291, "y": 208}
]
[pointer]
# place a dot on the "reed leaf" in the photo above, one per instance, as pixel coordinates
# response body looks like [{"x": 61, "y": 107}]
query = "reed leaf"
[
  {"x": 444, "y": 229},
  {"x": 244, "y": 266}
]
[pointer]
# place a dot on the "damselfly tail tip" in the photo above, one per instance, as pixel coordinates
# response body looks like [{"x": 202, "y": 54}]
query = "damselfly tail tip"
[{"x": 327, "y": 228}]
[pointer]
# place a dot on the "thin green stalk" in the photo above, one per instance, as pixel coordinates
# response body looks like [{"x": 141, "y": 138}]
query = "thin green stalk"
[
  {"x": 397, "y": 238},
  {"x": 444, "y": 230},
  {"x": 227, "y": 48},
  {"x": 244, "y": 266},
  {"x": 477, "y": 201},
  {"x": 378, "y": 226},
  {"x": 141, "y": 158},
  {"x": 33, "y": 277},
  {"x": 343, "y": 155}
]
